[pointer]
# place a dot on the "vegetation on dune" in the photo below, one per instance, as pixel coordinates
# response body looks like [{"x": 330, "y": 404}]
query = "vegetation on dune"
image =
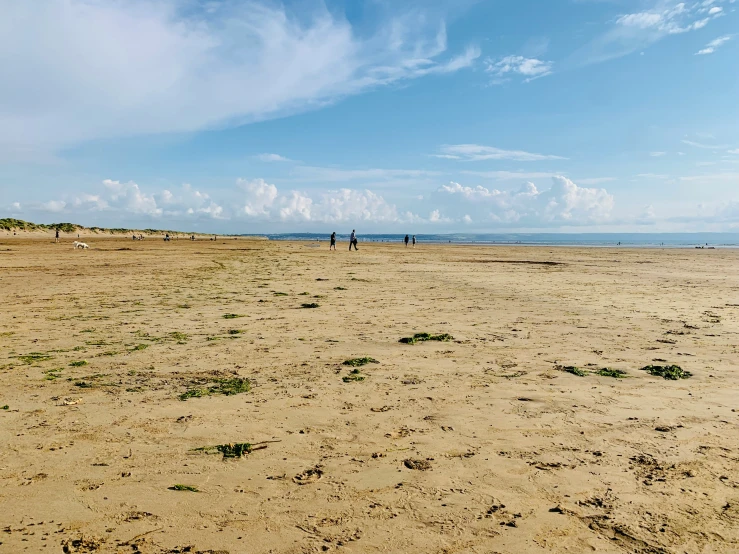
[
  {"x": 422, "y": 337},
  {"x": 9, "y": 224},
  {"x": 670, "y": 372},
  {"x": 225, "y": 387},
  {"x": 357, "y": 362}
]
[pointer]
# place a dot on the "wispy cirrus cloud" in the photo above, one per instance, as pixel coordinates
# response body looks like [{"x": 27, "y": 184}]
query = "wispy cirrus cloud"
[
  {"x": 530, "y": 68},
  {"x": 76, "y": 73},
  {"x": 478, "y": 152},
  {"x": 635, "y": 31},
  {"x": 705, "y": 146},
  {"x": 269, "y": 158},
  {"x": 657, "y": 154},
  {"x": 714, "y": 45}
]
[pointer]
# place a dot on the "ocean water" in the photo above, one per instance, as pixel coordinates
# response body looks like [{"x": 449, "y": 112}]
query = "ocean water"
[{"x": 669, "y": 240}]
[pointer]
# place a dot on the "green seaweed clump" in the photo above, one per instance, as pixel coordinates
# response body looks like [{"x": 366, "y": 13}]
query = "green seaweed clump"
[
  {"x": 232, "y": 316},
  {"x": 235, "y": 450},
  {"x": 422, "y": 337},
  {"x": 6, "y": 407},
  {"x": 183, "y": 488},
  {"x": 608, "y": 372},
  {"x": 353, "y": 376},
  {"x": 670, "y": 372},
  {"x": 358, "y": 362},
  {"x": 79, "y": 363},
  {"x": 311, "y": 305},
  {"x": 574, "y": 370},
  {"x": 225, "y": 387}
]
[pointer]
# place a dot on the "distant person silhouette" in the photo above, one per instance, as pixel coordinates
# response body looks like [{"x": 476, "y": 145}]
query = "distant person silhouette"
[
  {"x": 406, "y": 241},
  {"x": 332, "y": 246},
  {"x": 353, "y": 240},
  {"x": 414, "y": 241}
]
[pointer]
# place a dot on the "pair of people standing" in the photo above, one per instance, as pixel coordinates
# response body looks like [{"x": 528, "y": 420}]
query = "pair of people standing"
[
  {"x": 352, "y": 241},
  {"x": 407, "y": 239}
]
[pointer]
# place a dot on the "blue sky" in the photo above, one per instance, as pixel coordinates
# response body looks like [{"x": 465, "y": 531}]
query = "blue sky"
[{"x": 385, "y": 116}]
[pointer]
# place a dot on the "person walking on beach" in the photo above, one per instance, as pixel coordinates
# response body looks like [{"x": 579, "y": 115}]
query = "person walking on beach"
[
  {"x": 57, "y": 235},
  {"x": 332, "y": 246},
  {"x": 353, "y": 240},
  {"x": 414, "y": 241},
  {"x": 406, "y": 241}
]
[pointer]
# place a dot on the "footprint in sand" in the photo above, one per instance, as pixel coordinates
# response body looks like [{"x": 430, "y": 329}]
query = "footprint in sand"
[{"x": 308, "y": 476}]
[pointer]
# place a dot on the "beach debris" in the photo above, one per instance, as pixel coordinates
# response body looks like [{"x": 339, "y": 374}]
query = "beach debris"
[
  {"x": 5, "y": 407},
  {"x": 608, "y": 372},
  {"x": 82, "y": 543},
  {"x": 310, "y": 475},
  {"x": 354, "y": 375},
  {"x": 310, "y": 305},
  {"x": 422, "y": 337},
  {"x": 670, "y": 372},
  {"x": 70, "y": 401},
  {"x": 234, "y": 450},
  {"x": 225, "y": 387},
  {"x": 420, "y": 465},
  {"x": 189, "y": 488},
  {"x": 358, "y": 362}
]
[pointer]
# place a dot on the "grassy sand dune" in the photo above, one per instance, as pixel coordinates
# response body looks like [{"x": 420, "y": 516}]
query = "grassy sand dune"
[{"x": 157, "y": 396}]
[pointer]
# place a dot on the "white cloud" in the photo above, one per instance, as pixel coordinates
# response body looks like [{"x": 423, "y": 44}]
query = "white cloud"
[
  {"x": 563, "y": 203},
  {"x": 260, "y": 196},
  {"x": 705, "y": 146},
  {"x": 264, "y": 201},
  {"x": 91, "y": 69},
  {"x": 129, "y": 197},
  {"x": 657, "y": 154},
  {"x": 531, "y": 68},
  {"x": 272, "y": 158},
  {"x": 735, "y": 151},
  {"x": 189, "y": 201},
  {"x": 633, "y": 32},
  {"x": 16, "y": 205},
  {"x": 466, "y": 218},
  {"x": 713, "y": 45},
  {"x": 477, "y": 152},
  {"x": 54, "y": 206}
]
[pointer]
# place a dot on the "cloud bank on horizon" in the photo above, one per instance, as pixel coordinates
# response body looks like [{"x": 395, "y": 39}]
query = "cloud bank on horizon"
[{"x": 278, "y": 116}]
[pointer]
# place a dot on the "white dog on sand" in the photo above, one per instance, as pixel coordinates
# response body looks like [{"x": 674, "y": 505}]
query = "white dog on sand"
[{"x": 78, "y": 244}]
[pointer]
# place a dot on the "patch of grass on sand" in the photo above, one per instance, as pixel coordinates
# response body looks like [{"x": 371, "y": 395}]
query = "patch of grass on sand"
[
  {"x": 422, "y": 337},
  {"x": 281, "y": 294},
  {"x": 339, "y": 288},
  {"x": 6, "y": 407},
  {"x": 670, "y": 372},
  {"x": 189, "y": 488},
  {"x": 84, "y": 385},
  {"x": 7, "y": 334},
  {"x": 96, "y": 343},
  {"x": 184, "y": 306},
  {"x": 78, "y": 363},
  {"x": 574, "y": 370},
  {"x": 235, "y": 331},
  {"x": 357, "y": 362},
  {"x": 304, "y": 294},
  {"x": 139, "y": 347},
  {"x": 608, "y": 372},
  {"x": 226, "y": 387},
  {"x": 232, "y": 316},
  {"x": 52, "y": 374},
  {"x": 34, "y": 358},
  {"x": 87, "y": 331},
  {"x": 78, "y": 348},
  {"x": 109, "y": 353},
  {"x": 311, "y": 305},
  {"x": 353, "y": 376},
  {"x": 181, "y": 338}
]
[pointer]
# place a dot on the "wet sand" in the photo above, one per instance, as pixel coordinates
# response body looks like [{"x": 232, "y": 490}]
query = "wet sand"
[{"x": 481, "y": 444}]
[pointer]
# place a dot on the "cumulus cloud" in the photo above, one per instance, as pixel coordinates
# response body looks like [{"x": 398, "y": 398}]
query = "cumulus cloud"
[
  {"x": 54, "y": 206},
  {"x": 563, "y": 203},
  {"x": 129, "y": 197},
  {"x": 264, "y": 201},
  {"x": 84, "y": 69},
  {"x": 712, "y": 46},
  {"x": 530, "y": 68},
  {"x": 477, "y": 152}
]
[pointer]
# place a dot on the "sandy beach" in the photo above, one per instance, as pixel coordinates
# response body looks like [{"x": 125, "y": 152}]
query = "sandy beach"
[{"x": 117, "y": 366}]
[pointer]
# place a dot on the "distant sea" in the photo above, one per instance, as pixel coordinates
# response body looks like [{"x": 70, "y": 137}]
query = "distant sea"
[{"x": 671, "y": 240}]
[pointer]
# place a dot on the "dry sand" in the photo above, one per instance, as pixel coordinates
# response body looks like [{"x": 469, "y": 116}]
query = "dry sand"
[{"x": 521, "y": 456}]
